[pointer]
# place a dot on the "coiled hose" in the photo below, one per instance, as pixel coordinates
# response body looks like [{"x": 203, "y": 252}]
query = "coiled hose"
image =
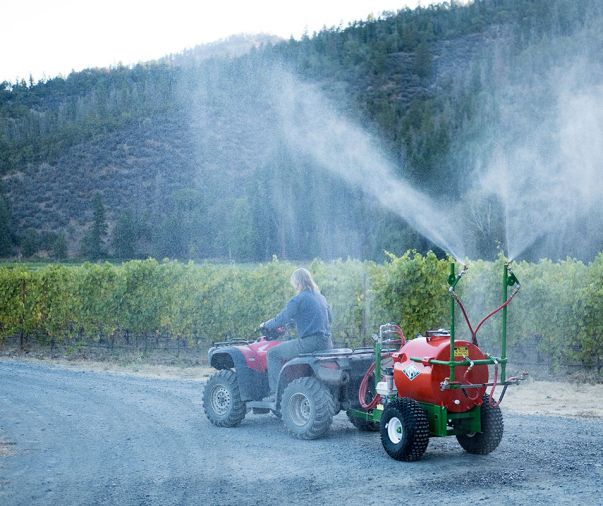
[{"x": 363, "y": 388}]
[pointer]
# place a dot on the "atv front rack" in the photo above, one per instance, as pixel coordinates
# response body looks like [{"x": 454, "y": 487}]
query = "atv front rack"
[{"x": 231, "y": 342}]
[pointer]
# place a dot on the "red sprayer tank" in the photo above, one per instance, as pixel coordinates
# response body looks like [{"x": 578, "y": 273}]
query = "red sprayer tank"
[{"x": 421, "y": 380}]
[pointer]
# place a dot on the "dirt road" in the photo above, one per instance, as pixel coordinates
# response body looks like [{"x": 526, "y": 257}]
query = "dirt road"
[{"x": 81, "y": 437}]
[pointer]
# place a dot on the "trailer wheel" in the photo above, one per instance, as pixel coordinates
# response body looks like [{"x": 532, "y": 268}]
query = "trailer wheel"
[
  {"x": 222, "y": 400},
  {"x": 404, "y": 430},
  {"x": 486, "y": 441},
  {"x": 307, "y": 408},
  {"x": 361, "y": 424}
]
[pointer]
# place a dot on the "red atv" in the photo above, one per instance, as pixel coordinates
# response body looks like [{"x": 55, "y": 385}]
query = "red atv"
[{"x": 312, "y": 387}]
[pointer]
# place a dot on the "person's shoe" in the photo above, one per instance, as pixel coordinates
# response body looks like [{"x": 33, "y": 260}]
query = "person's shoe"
[{"x": 270, "y": 398}]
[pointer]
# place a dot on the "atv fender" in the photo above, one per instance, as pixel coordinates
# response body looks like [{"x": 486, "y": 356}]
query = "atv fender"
[
  {"x": 327, "y": 370},
  {"x": 253, "y": 385}
]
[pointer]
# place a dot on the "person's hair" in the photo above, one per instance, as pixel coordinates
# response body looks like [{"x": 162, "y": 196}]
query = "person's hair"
[{"x": 301, "y": 279}]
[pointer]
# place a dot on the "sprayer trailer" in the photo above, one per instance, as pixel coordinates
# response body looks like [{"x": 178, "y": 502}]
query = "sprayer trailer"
[
  {"x": 431, "y": 386},
  {"x": 436, "y": 385}
]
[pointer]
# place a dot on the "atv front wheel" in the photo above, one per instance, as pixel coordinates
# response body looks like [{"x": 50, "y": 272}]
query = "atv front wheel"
[
  {"x": 222, "y": 400},
  {"x": 306, "y": 408},
  {"x": 404, "y": 430},
  {"x": 486, "y": 441}
]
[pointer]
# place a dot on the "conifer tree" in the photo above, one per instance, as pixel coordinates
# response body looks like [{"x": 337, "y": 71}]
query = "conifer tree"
[
  {"x": 124, "y": 237},
  {"x": 30, "y": 242},
  {"x": 93, "y": 243},
  {"x": 59, "y": 247},
  {"x": 6, "y": 242}
]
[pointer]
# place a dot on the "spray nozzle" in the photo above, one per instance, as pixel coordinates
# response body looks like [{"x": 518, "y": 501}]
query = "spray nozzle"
[
  {"x": 511, "y": 278},
  {"x": 453, "y": 280}
]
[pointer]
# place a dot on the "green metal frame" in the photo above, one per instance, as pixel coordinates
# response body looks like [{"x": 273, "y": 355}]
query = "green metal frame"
[
  {"x": 374, "y": 415},
  {"x": 509, "y": 279},
  {"x": 440, "y": 419}
]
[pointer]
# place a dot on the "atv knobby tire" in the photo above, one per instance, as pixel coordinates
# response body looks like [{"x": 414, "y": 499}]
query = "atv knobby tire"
[
  {"x": 404, "y": 430},
  {"x": 486, "y": 441},
  {"x": 307, "y": 408},
  {"x": 361, "y": 424},
  {"x": 222, "y": 400}
]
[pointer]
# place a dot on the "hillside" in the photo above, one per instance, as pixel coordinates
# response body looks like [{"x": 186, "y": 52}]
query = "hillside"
[{"x": 191, "y": 161}]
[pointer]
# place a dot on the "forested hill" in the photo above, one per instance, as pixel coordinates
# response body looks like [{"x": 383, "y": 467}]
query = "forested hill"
[{"x": 183, "y": 158}]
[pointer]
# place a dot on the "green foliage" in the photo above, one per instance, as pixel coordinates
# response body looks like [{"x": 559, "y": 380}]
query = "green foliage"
[
  {"x": 97, "y": 291},
  {"x": 59, "y": 247},
  {"x": 56, "y": 303},
  {"x": 589, "y": 310},
  {"x": 423, "y": 61},
  {"x": 93, "y": 243},
  {"x": 561, "y": 303},
  {"x": 6, "y": 242},
  {"x": 126, "y": 235},
  {"x": 19, "y": 313},
  {"x": 30, "y": 242},
  {"x": 413, "y": 292},
  {"x": 348, "y": 288},
  {"x": 555, "y": 305}
]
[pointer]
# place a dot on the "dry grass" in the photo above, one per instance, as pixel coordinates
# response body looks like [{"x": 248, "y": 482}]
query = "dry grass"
[
  {"x": 555, "y": 398},
  {"x": 133, "y": 368}
]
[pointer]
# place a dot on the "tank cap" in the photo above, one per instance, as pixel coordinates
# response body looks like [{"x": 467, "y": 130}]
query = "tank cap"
[{"x": 438, "y": 333}]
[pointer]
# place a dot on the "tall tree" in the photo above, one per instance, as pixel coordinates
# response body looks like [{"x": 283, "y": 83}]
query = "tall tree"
[
  {"x": 6, "y": 238},
  {"x": 125, "y": 236},
  {"x": 59, "y": 247},
  {"x": 423, "y": 61},
  {"x": 93, "y": 243},
  {"x": 30, "y": 242}
]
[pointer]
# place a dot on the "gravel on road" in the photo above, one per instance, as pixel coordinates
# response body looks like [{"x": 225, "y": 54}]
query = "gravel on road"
[{"x": 81, "y": 437}]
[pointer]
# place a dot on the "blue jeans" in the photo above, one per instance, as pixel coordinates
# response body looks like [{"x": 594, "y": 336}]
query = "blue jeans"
[{"x": 282, "y": 353}]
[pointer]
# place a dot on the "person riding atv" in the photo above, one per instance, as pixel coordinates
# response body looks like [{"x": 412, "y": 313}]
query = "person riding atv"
[
  {"x": 310, "y": 382},
  {"x": 310, "y": 312}
]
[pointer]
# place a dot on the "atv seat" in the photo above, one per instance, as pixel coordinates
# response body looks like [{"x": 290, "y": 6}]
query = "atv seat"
[{"x": 328, "y": 353}]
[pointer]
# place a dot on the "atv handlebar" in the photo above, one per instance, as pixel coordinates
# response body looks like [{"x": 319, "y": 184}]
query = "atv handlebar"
[{"x": 272, "y": 334}]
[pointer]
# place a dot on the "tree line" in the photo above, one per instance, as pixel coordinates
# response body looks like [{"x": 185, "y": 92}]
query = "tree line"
[{"x": 227, "y": 202}]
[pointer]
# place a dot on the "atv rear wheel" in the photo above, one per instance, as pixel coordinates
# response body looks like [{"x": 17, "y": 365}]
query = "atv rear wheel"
[
  {"x": 306, "y": 408},
  {"x": 486, "y": 441},
  {"x": 361, "y": 424},
  {"x": 222, "y": 400},
  {"x": 404, "y": 430}
]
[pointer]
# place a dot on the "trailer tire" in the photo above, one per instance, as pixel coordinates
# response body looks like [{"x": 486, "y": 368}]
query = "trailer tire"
[
  {"x": 361, "y": 424},
  {"x": 222, "y": 399},
  {"x": 307, "y": 408},
  {"x": 404, "y": 430},
  {"x": 486, "y": 441}
]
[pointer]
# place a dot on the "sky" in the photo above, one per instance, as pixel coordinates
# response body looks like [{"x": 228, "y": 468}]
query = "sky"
[{"x": 45, "y": 38}]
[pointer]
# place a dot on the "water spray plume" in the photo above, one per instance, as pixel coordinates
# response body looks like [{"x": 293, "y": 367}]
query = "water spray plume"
[
  {"x": 314, "y": 127},
  {"x": 541, "y": 161},
  {"x": 530, "y": 160}
]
